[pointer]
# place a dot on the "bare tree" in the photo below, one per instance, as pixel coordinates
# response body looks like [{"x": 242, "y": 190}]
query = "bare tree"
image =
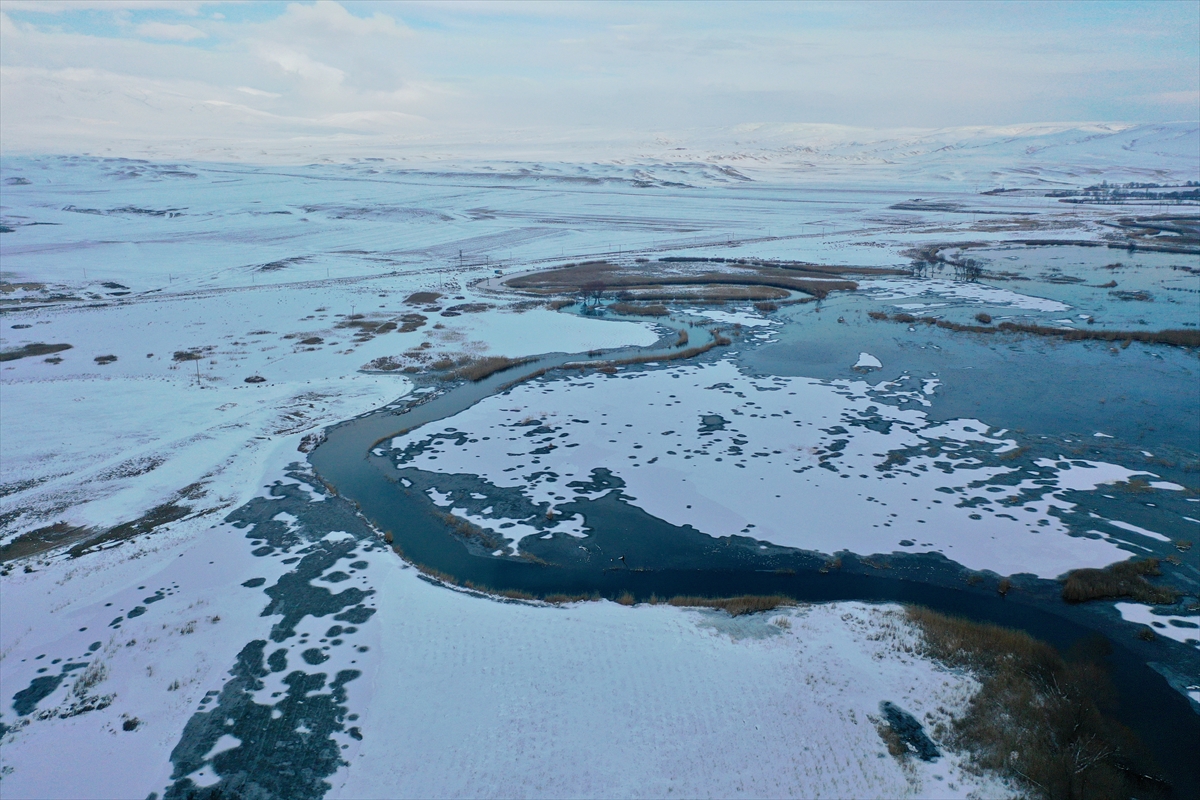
[{"x": 594, "y": 290}]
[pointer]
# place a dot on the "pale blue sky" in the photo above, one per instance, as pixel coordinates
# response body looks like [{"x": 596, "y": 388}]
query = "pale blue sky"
[{"x": 267, "y": 70}]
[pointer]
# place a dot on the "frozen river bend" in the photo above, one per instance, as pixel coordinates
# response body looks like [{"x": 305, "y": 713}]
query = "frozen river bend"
[{"x": 956, "y": 401}]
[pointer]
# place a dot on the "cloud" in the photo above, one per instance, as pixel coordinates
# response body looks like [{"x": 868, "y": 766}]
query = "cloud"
[
  {"x": 257, "y": 92},
  {"x": 294, "y": 62},
  {"x": 169, "y": 32},
  {"x": 1187, "y": 99},
  {"x": 326, "y": 18},
  {"x": 274, "y": 73},
  {"x": 189, "y": 7}
]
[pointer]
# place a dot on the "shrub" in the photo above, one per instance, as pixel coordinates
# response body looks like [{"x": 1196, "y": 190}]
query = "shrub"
[
  {"x": 986, "y": 319},
  {"x": 1037, "y": 717}
]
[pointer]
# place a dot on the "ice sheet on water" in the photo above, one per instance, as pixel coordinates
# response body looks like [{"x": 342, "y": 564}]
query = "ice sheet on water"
[
  {"x": 1173, "y": 626},
  {"x": 898, "y": 288},
  {"x": 794, "y": 461}
]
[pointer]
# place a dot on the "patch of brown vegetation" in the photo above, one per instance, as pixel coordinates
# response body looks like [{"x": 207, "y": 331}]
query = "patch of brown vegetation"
[
  {"x": 1126, "y": 579},
  {"x": 635, "y": 310},
  {"x": 42, "y": 540},
  {"x": 485, "y": 367},
  {"x": 37, "y": 349},
  {"x": 467, "y": 308},
  {"x": 1037, "y": 717},
  {"x": 422, "y": 298},
  {"x": 1177, "y": 337},
  {"x": 563, "y": 599},
  {"x": 469, "y": 530},
  {"x": 596, "y": 277},
  {"x": 709, "y": 295},
  {"x": 735, "y": 606}
]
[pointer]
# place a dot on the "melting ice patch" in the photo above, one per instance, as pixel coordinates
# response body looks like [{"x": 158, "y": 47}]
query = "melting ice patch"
[
  {"x": 743, "y": 318},
  {"x": 1181, "y": 629},
  {"x": 867, "y": 361},
  {"x": 902, "y": 288},
  {"x": 794, "y": 461}
]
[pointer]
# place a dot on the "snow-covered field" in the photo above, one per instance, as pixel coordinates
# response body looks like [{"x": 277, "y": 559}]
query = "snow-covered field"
[
  {"x": 270, "y": 619},
  {"x": 86, "y": 444},
  {"x": 461, "y": 695}
]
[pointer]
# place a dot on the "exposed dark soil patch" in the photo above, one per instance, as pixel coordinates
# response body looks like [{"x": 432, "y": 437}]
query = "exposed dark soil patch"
[
  {"x": 159, "y": 515},
  {"x": 43, "y": 539}
]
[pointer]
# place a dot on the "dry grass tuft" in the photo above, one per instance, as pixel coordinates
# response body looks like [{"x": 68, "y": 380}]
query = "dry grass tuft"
[
  {"x": 735, "y": 606},
  {"x": 563, "y": 599},
  {"x": 635, "y": 310},
  {"x": 469, "y": 530},
  {"x": 1177, "y": 337},
  {"x": 1037, "y": 717},
  {"x": 484, "y": 367},
  {"x": 1126, "y": 579}
]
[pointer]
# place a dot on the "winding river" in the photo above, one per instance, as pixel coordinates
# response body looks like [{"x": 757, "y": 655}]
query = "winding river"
[{"x": 665, "y": 560}]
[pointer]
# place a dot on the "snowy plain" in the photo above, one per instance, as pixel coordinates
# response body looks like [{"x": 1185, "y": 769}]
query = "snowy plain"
[{"x": 461, "y": 694}]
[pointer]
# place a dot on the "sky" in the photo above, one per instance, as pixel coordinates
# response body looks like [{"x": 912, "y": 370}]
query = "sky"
[{"x": 82, "y": 76}]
